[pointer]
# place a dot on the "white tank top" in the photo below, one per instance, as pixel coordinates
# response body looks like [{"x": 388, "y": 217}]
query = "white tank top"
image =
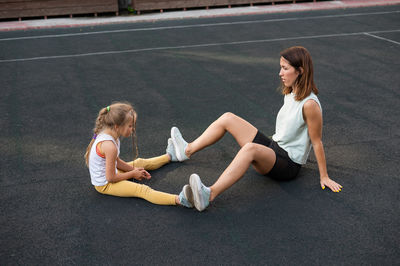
[
  {"x": 291, "y": 131},
  {"x": 97, "y": 164}
]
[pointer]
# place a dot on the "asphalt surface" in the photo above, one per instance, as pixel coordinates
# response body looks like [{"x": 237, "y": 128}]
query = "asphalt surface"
[{"x": 186, "y": 73}]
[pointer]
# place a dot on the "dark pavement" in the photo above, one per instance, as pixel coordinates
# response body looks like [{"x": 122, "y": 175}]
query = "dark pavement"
[{"x": 186, "y": 73}]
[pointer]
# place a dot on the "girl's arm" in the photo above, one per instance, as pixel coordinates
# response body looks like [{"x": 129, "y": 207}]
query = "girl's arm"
[
  {"x": 110, "y": 152},
  {"x": 313, "y": 117},
  {"x": 124, "y": 166}
]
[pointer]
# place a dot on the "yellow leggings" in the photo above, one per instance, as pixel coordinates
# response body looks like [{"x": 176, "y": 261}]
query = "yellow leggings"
[{"x": 131, "y": 189}]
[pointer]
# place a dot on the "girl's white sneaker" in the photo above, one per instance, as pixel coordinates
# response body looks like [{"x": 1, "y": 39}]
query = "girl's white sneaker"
[{"x": 179, "y": 144}]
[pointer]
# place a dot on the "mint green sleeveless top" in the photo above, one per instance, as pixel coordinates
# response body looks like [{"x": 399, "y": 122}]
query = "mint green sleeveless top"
[{"x": 291, "y": 131}]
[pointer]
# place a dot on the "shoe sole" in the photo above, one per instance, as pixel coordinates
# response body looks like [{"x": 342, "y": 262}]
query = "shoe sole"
[
  {"x": 187, "y": 192},
  {"x": 172, "y": 143},
  {"x": 195, "y": 184},
  {"x": 177, "y": 150}
]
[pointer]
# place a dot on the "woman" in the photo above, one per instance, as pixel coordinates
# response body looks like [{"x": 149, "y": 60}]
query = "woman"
[{"x": 298, "y": 127}]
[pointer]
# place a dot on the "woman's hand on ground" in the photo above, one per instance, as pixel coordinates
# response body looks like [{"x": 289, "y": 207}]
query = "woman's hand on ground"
[{"x": 326, "y": 181}]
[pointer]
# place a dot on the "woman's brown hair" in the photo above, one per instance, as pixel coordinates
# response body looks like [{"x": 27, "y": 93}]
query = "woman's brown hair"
[
  {"x": 117, "y": 114},
  {"x": 299, "y": 58}
]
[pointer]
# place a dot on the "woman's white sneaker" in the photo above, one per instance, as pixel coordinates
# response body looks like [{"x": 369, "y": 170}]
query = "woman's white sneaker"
[{"x": 201, "y": 193}]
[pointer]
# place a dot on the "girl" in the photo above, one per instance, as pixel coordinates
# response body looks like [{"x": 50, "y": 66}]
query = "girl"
[
  {"x": 109, "y": 173},
  {"x": 298, "y": 127}
]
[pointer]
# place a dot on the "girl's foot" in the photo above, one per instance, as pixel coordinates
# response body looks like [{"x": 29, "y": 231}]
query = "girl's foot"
[
  {"x": 171, "y": 151},
  {"x": 201, "y": 193},
  {"x": 179, "y": 144},
  {"x": 186, "y": 197}
]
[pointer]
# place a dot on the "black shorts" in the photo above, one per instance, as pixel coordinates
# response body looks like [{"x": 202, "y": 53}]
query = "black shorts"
[{"x": 284, "y": 168}]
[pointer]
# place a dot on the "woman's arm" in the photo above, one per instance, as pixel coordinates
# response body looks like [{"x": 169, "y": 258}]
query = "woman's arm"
[
  {"x": 110, "y": 152},
  {"x": 313, "y": 117}
]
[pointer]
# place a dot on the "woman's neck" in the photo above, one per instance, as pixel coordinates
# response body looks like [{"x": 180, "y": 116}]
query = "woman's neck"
[{"x": 294, "y": 90}]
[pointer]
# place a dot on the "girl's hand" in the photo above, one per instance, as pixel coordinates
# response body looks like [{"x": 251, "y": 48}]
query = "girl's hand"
[
  {"x": 140, "y": 174},
  {"x": 326, "y": 181}
]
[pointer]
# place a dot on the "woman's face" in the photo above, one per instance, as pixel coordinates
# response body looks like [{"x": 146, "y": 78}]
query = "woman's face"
[{"x": 288, "y": 73}]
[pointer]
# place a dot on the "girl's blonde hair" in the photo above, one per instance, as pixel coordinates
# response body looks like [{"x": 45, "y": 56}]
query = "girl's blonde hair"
[
  {"x": 117, "y": 114},
  {"x": 299, "y": 58}
]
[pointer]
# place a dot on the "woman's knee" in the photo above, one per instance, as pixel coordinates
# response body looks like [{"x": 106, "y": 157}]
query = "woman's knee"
[
  {"x": 250, "y": 149},
  {"x": 227, "y": 118},
  {"x": 257, "y": 152}
]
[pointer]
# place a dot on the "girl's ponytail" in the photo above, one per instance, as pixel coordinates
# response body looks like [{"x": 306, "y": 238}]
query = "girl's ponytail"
[
  {"x": 89, "y": 147},
  {"x": 99, "y": 125}
]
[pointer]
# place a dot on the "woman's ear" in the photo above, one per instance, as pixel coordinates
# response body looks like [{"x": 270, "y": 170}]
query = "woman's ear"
[{"x": 301, "y": 70}]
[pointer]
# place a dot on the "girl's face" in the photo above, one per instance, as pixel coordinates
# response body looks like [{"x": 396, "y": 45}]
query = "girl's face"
[
  {"x": 288, "y": 73},
  {"x": 127, "y": 129}
]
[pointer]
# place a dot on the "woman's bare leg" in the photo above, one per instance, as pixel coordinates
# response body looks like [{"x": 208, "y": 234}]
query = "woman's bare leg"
[
  {"x": 240, "y": 129},
  {"x": 262, "y": 158}
]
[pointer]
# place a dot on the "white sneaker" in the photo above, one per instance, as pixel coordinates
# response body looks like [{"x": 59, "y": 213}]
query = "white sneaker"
[
  {"x": 179, "y": 144},
  {"x": 201, "y": 193},
  {"x": 171, "y": 151}
]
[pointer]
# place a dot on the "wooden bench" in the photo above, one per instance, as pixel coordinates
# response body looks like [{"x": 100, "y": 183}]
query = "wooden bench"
[
  {"x": 44, "y": 8},
  {"x": 143, "y": 5}
]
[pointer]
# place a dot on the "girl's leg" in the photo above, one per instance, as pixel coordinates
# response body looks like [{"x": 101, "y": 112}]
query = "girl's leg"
[
  {"x": 151, "y": 163},
  {"x": 262, "y": 158},
  {"x": 240, "y": 129},
  {"x": 131, "y": 189}
]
